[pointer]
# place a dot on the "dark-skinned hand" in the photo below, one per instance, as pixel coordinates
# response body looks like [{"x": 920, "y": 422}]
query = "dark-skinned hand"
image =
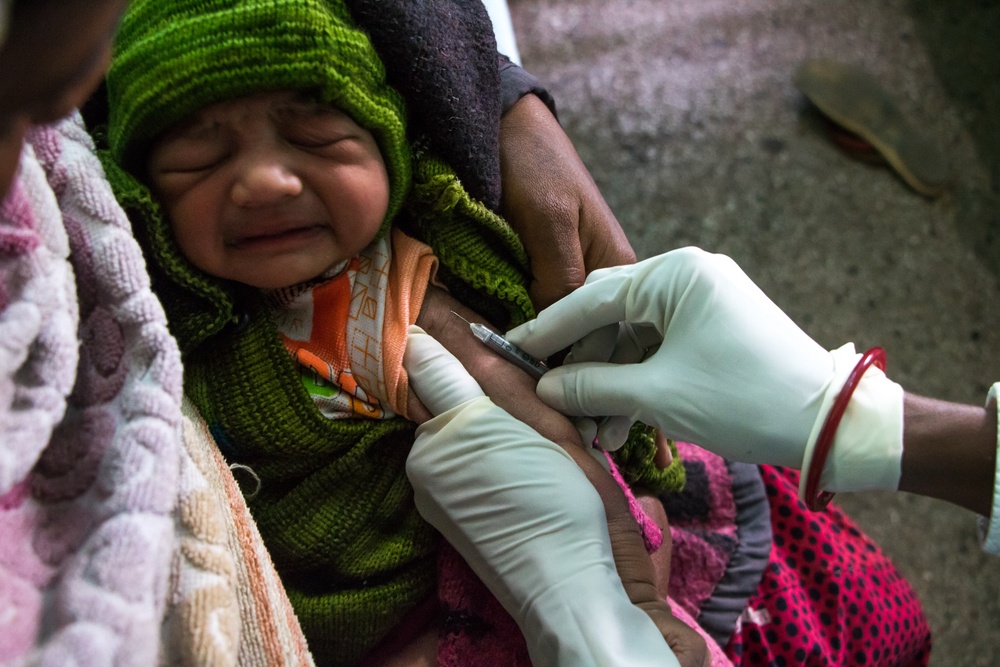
[{"x": 553, "y": 204}]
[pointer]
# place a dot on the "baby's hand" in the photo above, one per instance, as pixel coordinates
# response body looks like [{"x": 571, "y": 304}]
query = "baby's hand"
[{"x": 645, "y": 580}]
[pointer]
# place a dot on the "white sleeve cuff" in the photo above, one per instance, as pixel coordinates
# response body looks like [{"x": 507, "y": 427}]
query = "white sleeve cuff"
[{"x": 989, "y": 528}]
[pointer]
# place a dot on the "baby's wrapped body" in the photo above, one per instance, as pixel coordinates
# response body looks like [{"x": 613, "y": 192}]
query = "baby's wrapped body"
[{"x": 276, "y": 157}]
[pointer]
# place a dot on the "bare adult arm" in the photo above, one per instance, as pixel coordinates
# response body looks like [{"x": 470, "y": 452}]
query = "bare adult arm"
[{"x": 949, "y": 451}]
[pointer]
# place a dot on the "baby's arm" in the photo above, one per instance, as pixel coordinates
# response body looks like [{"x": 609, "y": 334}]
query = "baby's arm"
[
  {"x": 513, "y": 390},
  {"x": 508, "y": 386}
]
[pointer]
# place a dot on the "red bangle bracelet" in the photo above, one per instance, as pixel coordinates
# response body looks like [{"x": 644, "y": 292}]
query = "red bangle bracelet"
[{"x": 818, "y": 501}]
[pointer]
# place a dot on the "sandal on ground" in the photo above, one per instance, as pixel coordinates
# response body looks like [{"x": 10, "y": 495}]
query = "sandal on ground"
[{"x": 853, "y": 99}]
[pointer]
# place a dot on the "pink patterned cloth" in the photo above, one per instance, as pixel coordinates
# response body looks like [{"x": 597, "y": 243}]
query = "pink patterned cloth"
[
  {"x": 652, "y": 536},
  {"x": 703, "y": 537},
  {"x": 90, "y": 387}
]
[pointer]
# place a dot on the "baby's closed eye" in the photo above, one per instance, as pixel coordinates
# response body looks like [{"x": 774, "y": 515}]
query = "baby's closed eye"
[
  {"x": 317, "y": 134},
  {"x": 187, "y": 156},
  {"x": 327, "y": 139}
]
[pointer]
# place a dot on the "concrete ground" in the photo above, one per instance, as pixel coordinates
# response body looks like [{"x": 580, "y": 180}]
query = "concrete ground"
[{"x": 686, "y": 114}]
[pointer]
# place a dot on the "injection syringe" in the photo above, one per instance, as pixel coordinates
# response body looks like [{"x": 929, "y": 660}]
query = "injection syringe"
[{"x": 506, "y": 349}]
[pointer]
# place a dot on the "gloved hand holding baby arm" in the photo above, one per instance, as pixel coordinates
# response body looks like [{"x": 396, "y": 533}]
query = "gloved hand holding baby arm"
[{"x": 526, "y": 519}]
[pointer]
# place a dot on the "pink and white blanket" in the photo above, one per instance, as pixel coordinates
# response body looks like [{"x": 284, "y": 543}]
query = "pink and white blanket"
[
  {"x": 123, "y": 538},
  {"x": 90, "y": 387}
]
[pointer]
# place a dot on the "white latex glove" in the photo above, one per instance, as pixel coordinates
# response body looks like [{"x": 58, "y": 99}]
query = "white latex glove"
[
  {"x": 525, "y": 518},
  {"x": 724, "y": 368}
]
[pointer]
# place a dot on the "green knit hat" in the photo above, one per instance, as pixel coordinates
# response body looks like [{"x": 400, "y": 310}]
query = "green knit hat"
[{"x": 175, "y": 57}]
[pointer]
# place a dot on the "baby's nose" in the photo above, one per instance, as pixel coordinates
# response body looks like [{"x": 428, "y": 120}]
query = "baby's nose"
[{"x": 265, "y": 182}]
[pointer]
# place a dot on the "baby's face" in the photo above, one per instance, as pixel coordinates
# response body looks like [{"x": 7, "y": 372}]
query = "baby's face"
[{"x": 270, "y": 190}]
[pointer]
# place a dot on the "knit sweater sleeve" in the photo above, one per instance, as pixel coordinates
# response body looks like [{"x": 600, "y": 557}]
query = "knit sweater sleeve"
[{"x": 441, "y": 56}]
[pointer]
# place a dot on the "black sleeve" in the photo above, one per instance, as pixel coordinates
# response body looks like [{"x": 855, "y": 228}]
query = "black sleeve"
[{"x": 515, "y": 83}]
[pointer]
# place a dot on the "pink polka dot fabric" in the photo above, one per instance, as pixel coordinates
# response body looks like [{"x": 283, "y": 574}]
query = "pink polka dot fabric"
[{"x": 828, "y": 596}]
